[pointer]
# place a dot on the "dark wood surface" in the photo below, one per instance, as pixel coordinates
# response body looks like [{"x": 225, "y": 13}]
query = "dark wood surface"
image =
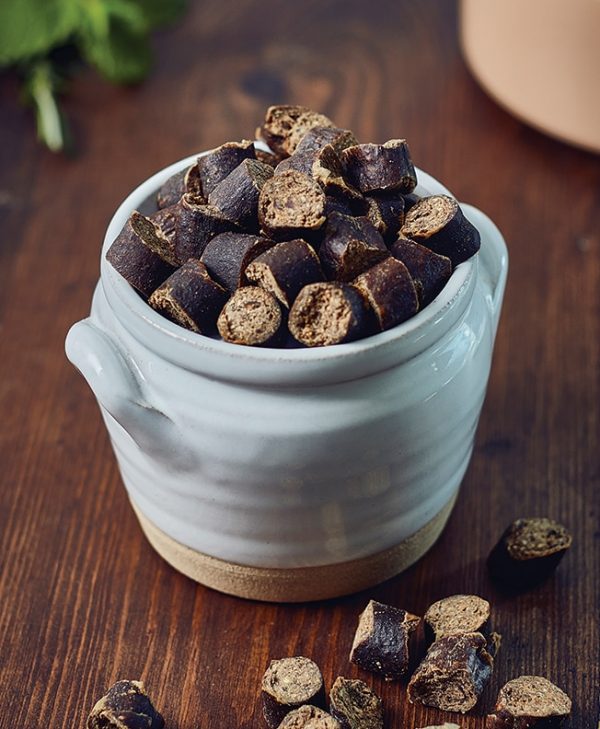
[{"x": 83, "y": 598}]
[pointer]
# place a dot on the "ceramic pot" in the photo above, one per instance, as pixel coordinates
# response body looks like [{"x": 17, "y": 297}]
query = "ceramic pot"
[{"x": 292, "y": 474}]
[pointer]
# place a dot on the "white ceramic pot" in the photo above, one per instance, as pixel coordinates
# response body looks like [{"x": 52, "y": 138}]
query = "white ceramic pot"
[{"x": 292, "y": 474}]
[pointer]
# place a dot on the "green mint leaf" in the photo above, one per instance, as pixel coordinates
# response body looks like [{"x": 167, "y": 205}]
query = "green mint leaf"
[{"x": 40, "y": 85}]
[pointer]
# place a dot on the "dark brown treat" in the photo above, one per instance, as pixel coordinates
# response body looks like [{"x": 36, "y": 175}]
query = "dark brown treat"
[
  {"x": 177, "y": 185},
  {"x": 319, "y": 137},
  {"x": 267, "y": 158},
  {"x": 166, "y": 219},
  {"x": 355, "y": 705},
  {"x": 227, "y": 255},
  {"x": 380, "y": 167},
  {"x": 386, "y": 212},
  {"x": 410, "y": 200},
  {"x": 453, "y": 674},
  {"x": 237, "y": 195},
  {"x": 528, "y": 552},
  {"x": 438, "y": 223},
  {"x": 252, "y": 316},
  {"x": 291, "y": 202},
  {"x": 309, "y": 717},
  {"x": 286, "y": 125},
  {"x": 329, "y": 313},
  {"x": 430, "y": 271},
  {"x": 381, "y": 640},
  {"x": 141, "y": 254},
  {"x": 195, "y": 225},
  {"x": 286, "y": 268},
  {"x": 216, "y": 165},
  {"x": 289, "y": 683},
  {"x": 455, "y": 615},
  {"x": 350, "y": 246},
  {"x": 300, "y": 162},
  {"x": 390, "y": 292},
  {"x": 530, "y": 701},
  {"x": 125, "y": 706},
  {"x": 190, "y": 298}
]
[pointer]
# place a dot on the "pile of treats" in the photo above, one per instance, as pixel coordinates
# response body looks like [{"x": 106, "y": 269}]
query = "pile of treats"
[{"x": 318, "y": 242}]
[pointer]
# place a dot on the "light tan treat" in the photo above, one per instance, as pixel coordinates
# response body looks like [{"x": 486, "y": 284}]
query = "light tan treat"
[
  {"x": 309, "y": 717},
  {"x": 252, "y": 317},
  {"x": 287, "y": 684},
  {"x": 529, "y": 701},
  {"x": 285, "y": 125},
  {"x": 457, "y": 614}
]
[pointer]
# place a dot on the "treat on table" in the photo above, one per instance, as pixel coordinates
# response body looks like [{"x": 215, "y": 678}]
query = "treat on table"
[
  {"x": 252, "y": 317},
  {"x": 350, "y": 246},
  {"x": 453, "y": 674},
  {"x": 329, "y": 313},
  {"x": 285, "y": 126},
  {"x": 126, "y": 705},
  {"x": 177, "y": 185},
  {"x": 236, "y": 196},
  {"x": 291, "y": 203},
  {"x": 227, "y": 256},
  {"x": 220, "y": 162},
  {"x": 430, "y": 271},
  {"x": 455, "y": 615},
  {"x": 381, "y": 640},
  {"x": 529, "y": 701},
  {"x": 355, "y": 705},
  {"x": 190, "y": 298},
  {"x": 380, "y": 167},
  {"x": 289, "y": 683},
  {"x": 309, "y": 717},
  {"x": 528, "y": 552}
]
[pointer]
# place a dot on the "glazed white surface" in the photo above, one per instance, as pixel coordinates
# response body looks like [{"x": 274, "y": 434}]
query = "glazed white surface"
[{"x": 286, "y": 458}]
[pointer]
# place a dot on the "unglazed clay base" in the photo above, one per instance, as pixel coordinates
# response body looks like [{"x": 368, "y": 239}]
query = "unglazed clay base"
[{"x": 298, "y": 584}]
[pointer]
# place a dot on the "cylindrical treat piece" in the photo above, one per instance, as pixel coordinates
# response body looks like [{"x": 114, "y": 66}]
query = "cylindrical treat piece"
[
  {"x": 410, "y": 200},
  {"x": 380, "y": 167},
  {"x": 386, "y": 212},
  {"x": 195, "y": 225},
  {"x": 429, "y": 270},
  {"x": 329, "y": 313},
  {"x": 286, "y": 268},
  {"x": 381, "y": 640},
  {"x": 309, "y": 717},
  {"x": 350, "y": 246},
  {"x": 177, "y": 185},
  {"x": 237, "y": 195},
  {"x": 287, "y": 684},
  {"x": 453, "y": 674},
  {"x": 528, "y": 552},
  {"x": 285, "y": 125},
  {"x": 390, "y": 292},
  {"x": 125, "y": 706},
  {"x": 227, "y": 255},
  {"x": 142, "y": 254},
  {"x": 455, "y": 615},
  {"x": 530, "y": 701},
  {"x": 291, "y": 201},
  {"x": 438, "y": 223},
  {"x": 190, "y": 298},
  {"x": 216, "y": 165},
  {"x": 355, "y": 705},
  {"x": 319, "y": 137},
  {"x": 252, "y": 317}
]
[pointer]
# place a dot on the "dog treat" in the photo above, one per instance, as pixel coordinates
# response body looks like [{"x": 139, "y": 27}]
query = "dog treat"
[
  {"x": 251, "y": 316},
  {"x": 455, "y": 615},
  {"x": 195, "y": 225},
  {"x": 323, "y": 165},
  {"x": 285, "y": 126},
  {"x": 329, "y": 313},
  {"x": 529, "y": 701},
  {"x": 287, "y": 684},
  {"x": 291, "y": 202},
  {"x": 430, "y": 271},
  {"x": 390, "y": 292},
  {"x": 142, "y": 254},
  {"x": 410, "y": 200},
  {"x": 350, "y": 246},
  {"x": 309, "y": 717},
  {"x": 220, "y": 162},
  {"x": 386, "y": 212},
  {"x": 237, "y": 195},
  {"x": 286, "y": 268},
  {"x": 319, "y": 137},
  {"x": 528, "y": 552},
  {"x": 380, "y": 167},
  {"x": 126, "y": 705},
  {"x": 438, "y": 223},
  {"x": 453, "y": 674},
  {"x": 381, "y": 640},
  {"x": 190, "y": 298},
  {"x": 227, "y": 255},
  {"x": 355, "y": 705},
  {"x": 177, "y": 185}
]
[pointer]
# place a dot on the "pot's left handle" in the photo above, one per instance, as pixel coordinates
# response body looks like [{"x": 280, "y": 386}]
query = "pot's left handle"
[{"x": 99, "y": 359}]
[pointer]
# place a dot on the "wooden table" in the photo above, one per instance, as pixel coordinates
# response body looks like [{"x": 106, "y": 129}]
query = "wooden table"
[{"x": 83, "y": 598}]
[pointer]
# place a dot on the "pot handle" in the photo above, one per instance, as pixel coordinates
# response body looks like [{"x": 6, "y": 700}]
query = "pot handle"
[
  {"x": 493, "y": 258},
  {"x": 118, "y": 390}
]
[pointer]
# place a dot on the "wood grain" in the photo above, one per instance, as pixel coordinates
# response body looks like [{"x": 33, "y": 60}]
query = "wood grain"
[{"x": 83, "y": 599}]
